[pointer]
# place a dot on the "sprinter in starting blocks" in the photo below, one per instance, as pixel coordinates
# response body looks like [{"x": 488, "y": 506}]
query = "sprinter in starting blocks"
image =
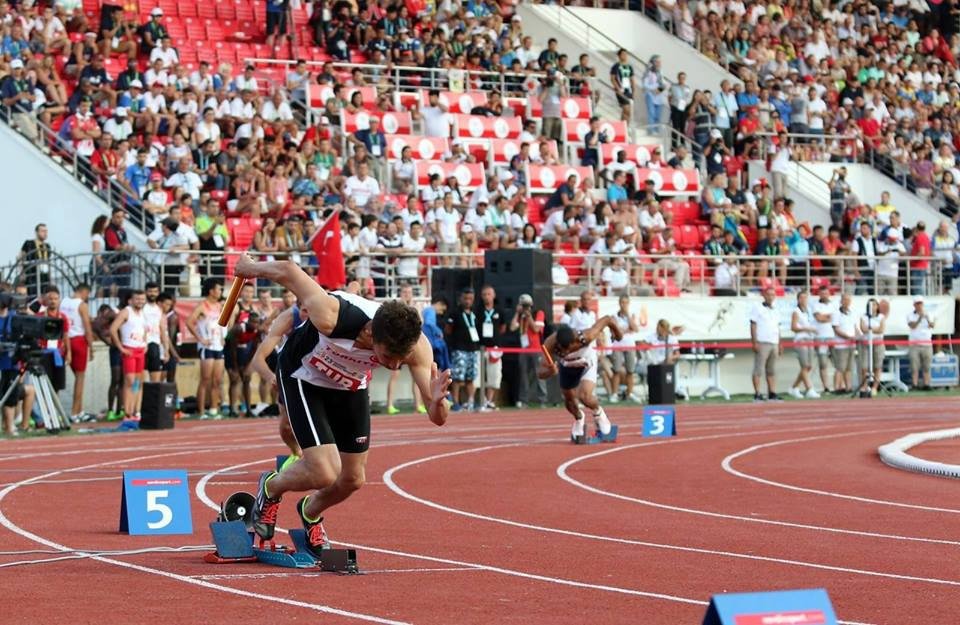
[{"x": 576, "y": 364}]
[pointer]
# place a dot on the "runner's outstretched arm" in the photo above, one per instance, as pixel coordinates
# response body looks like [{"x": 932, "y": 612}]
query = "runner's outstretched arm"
[{"x": 433, "y": 384}]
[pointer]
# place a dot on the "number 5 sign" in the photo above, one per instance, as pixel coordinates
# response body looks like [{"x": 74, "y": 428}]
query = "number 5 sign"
[
  {"x": 155, "y": 502},
  {"x": 659, "y": 421}
]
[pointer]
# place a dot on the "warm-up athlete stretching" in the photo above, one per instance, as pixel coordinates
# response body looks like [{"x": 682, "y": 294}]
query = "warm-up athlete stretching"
[{"x": 323, "y": 372}]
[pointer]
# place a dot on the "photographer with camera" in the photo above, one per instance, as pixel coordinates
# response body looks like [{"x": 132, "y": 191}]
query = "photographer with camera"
[
  {"x": 528, "y": 324},
  {"x": 552, "y": 88},
  {"x": 11, "y": 385}
]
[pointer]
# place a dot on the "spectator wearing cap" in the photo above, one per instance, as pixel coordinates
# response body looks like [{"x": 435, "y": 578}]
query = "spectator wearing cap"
[
  {"x": 17, "y": 91},
  {"x": 153, "y": 31},
  {"x": 921, "y": 326},
  {"x": 156, "y": 200},
  {"x": 119, "y": 126}
]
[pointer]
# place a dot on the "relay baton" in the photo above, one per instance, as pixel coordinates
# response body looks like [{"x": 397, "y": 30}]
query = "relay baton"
[
  {"x": 228, "y": 307},
  {"x": 546, "y": 354}
]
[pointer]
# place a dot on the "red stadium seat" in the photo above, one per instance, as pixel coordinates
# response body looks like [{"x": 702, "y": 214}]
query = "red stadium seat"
[
  {"x": 666, "y": 287},
  {"x": 688, "y": 238},
  {"x": 766, "y": 283}
]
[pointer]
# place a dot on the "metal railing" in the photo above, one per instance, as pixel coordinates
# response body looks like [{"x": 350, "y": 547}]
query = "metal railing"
[{"x": 383, "y": 274}]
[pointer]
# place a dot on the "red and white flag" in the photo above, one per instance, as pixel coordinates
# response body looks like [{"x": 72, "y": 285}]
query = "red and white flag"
[{"x": 331, "y": 272}]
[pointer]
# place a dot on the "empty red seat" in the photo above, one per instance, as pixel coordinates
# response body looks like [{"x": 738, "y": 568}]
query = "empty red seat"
[{"x": 688, "y": 237}]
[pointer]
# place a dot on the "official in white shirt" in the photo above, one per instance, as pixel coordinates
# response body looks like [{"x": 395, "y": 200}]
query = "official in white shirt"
[
  {"x": 872, "y": 326},
  {"x": 921, "y": 348},
  {"x": 804, "y": 329},
  {"x": 845, "y": 329},
  {"x": 765, "y": 336},
  {"x": 823, "y": 311}
]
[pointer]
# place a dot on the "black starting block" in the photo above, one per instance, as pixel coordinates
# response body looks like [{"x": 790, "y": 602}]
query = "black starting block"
[
  {"x": 597, "y": 437},
  {"x": 234, "y": 543}
]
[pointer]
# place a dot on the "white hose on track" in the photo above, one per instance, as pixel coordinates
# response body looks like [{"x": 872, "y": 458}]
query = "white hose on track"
[{"x": 895, "y": 454}]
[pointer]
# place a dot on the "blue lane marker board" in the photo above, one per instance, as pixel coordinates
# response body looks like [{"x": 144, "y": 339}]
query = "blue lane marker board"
[
  {"x": 659, "y": 421},
  {"x": 155, "y": 502},
  {"x": 788, "y": 607}
]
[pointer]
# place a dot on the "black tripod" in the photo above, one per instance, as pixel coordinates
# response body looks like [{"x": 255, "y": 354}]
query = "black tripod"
[{"x": 48, "y": 403}]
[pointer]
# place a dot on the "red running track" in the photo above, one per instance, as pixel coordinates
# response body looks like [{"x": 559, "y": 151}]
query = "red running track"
[{"x": 497, "y": 519}]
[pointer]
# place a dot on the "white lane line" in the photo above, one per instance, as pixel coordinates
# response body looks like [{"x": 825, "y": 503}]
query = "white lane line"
[
  {"x": 7, "y": 523},
  {"x": 562, "y": 472},
  {"x": 727, "y": 465},
  {"x": 200, "y": 490},
  {"x": 441, "y": 569},
  {"x": 392, "y": 485}
]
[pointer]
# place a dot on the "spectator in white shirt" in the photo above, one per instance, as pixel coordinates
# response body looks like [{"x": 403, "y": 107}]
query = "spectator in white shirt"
[
  {"x": 436, "y": 120},
  {"x": 252, "y": 130},
  {"x": 276, "y": 108},
  {"x": 651, "y": 220},
  {"x": 165, "y": 53},
  {"x": 361, "y": 187},
  {"x": 615, "y": 277},
  {"x": 404, "y": 171},
  {"x": 872, "y": 326},
  {"x": 185, "y": 181},
  {"x": 765, "y": 337},
  {"x": 921, "y": 326},
  {"x": 207, "y": 128},
  {"x": 246, "y": 81},
  {"x": 119, "y": 125},
  {"x": 816, "y": 112},
  {"x": 408, "y": 267},
  {"x": 726, "y": 277},
  {"x": 242, "y": 108},
  {"x": 202, "y": 80}
]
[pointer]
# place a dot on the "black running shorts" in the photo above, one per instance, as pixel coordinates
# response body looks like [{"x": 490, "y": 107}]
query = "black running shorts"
[
  {"x": 321, "y": 416},
  {"x": 153, "y": 362}
]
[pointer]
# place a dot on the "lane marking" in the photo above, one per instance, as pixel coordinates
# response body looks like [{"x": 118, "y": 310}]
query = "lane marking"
[
  {"x": 562, "y": 472},
  {"x": 7, "y": 523},
  {"x": 727, "y": 465},
  {"x": 392, "y": 485}
]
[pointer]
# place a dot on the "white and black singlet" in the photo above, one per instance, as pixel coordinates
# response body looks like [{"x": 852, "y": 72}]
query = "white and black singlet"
[{"x": 323, "y": 379}]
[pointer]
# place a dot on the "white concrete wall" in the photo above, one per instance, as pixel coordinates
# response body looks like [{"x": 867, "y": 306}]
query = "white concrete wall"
[
  {"x": 35, "y": 190},
  {"x": 641, "y": 36}
]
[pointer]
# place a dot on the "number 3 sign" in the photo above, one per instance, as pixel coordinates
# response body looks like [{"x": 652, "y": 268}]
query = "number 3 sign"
[
  {"x": 659, "y": 421},
  {"x": 155, "y": 502}
]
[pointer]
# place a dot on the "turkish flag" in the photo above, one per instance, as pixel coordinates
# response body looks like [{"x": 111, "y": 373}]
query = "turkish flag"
[{"x": 331, "y": 273}]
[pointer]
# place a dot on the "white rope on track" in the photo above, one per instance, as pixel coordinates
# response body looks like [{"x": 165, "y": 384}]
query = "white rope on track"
[{"x": 895, "y": 454}]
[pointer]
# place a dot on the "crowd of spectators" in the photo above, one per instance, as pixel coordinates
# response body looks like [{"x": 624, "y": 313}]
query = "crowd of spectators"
[{"x": 188, "y": 146}]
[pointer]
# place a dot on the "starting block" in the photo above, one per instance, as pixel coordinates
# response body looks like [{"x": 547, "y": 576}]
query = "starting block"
[
  {"x": 598, "y": 437},
  {"x": 234, "y": 543}
]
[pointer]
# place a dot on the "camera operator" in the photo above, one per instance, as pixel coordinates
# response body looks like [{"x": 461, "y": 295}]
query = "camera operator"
[
  {"x": 714, "y": 152},
  {"x": 529, "y": 323},
  {"x": 9, "y": 375},
  {"x": 58, "y": 350}
]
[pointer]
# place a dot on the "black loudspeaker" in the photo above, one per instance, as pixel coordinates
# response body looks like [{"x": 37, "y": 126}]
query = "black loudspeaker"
[
  {"x": 159, "y": 406},
  {"x": 661, "y": 381},
  {"x": 521, "y": 268},
  {"x": 238, "y": 507},
  {"x": 449, "y": 281}
]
